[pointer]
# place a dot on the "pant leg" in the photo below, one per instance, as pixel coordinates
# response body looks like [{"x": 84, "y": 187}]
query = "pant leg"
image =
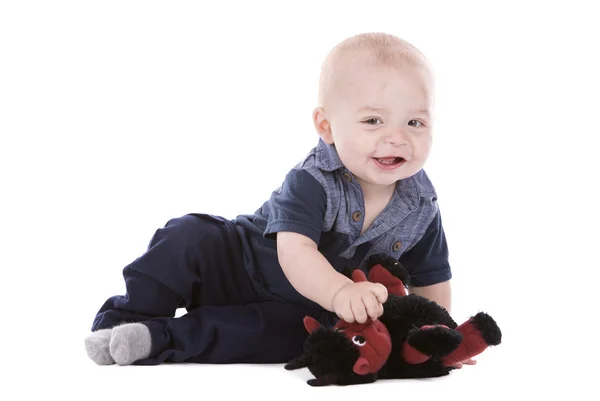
[
  {"x": 262, "y": 332},
  {"x": 193, "y": 260}
]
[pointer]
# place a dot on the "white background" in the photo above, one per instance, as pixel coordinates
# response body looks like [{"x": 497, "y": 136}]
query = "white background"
[{"x": 118, "y": 115}]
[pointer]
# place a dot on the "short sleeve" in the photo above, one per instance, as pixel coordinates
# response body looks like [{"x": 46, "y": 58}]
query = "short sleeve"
[
  {"x": 427, "y": 261},
  {"x": 298, "y": 206}
]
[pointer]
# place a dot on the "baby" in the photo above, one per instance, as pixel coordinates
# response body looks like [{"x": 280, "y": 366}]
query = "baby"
[{"x": 247, "y": 283}]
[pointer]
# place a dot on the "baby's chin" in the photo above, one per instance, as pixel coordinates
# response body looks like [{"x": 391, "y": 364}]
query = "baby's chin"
[
  {"x": 382, "y": 177},
  {"x": 377, "y": 179}
]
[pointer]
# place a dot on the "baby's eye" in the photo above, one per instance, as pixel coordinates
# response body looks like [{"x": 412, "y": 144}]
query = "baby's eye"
[
  {"x": 373, "y": 121},
  {"x": 413, "y": 122}
]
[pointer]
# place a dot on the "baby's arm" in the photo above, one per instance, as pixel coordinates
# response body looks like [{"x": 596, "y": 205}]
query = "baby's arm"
[
  {"x": 296, "y": 219},
  {"x": 440, "y": 293},
  {"x": 311, "y": 274},
  {"x": 308, "y": 270}
]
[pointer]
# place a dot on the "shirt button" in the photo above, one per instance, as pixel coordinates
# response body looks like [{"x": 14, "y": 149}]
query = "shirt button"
[
  {"x": 357, "y": 216},
  {"x": 347, "y": 176},
  {"x": 397, "y": 245}
]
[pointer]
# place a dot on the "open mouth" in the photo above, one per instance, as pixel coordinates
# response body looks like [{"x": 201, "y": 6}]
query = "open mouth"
[{"x": 388, "y": 163}]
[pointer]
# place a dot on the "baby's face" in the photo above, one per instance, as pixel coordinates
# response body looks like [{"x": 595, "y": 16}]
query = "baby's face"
[{"x": 380, "y": 122}]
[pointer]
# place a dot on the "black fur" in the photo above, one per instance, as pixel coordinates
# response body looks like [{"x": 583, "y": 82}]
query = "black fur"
[
  {"x": 383, "y": 259},
  {"x": 487, "y": 326},
  {"x": 401, "y": 315},
  {"x": 325, "y": 352},
  {"x": 435, "y": 342},
  {"x": 342, "y": 380}
]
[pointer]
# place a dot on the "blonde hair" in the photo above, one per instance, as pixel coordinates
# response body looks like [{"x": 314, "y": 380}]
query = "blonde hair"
[{"x": 379, "y": 48}]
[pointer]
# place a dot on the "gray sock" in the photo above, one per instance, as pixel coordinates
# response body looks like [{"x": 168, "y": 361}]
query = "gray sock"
[
  {"x": 130, "y": 342},
  {"x": 96, "y": 346}
]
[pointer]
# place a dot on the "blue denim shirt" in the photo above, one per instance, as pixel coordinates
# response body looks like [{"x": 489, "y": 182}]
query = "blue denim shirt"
[{"x": 321, "y": 199}]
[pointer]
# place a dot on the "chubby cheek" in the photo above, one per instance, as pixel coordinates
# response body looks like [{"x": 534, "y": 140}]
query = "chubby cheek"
[
  {"x": 421, "y": 148},
  {"x": 363, "y": 143},
  {"x": 354, "y": 146}
]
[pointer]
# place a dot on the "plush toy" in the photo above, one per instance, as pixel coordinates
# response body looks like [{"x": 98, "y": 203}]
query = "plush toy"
[{"x": 414, "y": 338}]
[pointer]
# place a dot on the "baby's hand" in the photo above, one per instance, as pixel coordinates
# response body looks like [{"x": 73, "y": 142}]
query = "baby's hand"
[
  {"x": 359, "y": 301},
  {"x": 459, "y": 365}
]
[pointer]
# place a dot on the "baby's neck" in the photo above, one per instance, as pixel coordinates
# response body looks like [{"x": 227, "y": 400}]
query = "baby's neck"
[{"x": 377, "y": 192}]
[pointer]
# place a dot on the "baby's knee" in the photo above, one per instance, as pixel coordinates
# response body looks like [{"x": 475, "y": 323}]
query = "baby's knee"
[
  {"x": 190, "y": 228},
  {"x": 186, "y": 222}
]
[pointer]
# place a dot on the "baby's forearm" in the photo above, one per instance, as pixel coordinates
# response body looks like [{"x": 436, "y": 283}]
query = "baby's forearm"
[
  {"x": 308, "y": 270},
  {"x": 440, "y": 293}
]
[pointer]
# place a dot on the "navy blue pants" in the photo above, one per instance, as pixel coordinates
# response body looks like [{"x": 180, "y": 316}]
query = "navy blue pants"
[{"x": 196, "y": 262}]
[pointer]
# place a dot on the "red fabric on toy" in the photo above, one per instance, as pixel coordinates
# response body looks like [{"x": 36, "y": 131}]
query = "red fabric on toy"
[
  {"x": 379, "y": 274},
  {"x": 373, "y": 341},
  {"x": 472, "y": 345},
  {"x": 372, "y": 338},
  {"x": 413, "y": 356}
]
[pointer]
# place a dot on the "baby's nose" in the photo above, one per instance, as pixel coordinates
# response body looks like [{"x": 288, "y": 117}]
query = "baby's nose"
[{"x": 397, "y": 138}]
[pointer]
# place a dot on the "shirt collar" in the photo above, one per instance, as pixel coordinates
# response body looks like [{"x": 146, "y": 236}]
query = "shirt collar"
[{"x": 327, "y": 158}]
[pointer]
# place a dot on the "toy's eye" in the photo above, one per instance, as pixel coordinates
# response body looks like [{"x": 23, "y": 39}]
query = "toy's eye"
[{"x": 359, "y": 340}]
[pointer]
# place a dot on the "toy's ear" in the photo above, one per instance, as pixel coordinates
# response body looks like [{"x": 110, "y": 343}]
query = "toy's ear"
[
  {"x": 311, "y": 324},
  {"x": 361, "y": 367},
  {"x": 358, "y": 276},
  {"x": 394, "y": 285}
]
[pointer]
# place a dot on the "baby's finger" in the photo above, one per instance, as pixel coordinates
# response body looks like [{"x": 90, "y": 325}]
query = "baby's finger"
[
  {"x": 380, "y": 292},
  {"x": 373, "y": 306},
  {"x": 359, "y": 311},
  {"x": 345, "y": 313}
]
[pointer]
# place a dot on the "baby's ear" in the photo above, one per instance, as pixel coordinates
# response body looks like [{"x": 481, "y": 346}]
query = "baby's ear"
[{"x": 322, "y": 125}]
